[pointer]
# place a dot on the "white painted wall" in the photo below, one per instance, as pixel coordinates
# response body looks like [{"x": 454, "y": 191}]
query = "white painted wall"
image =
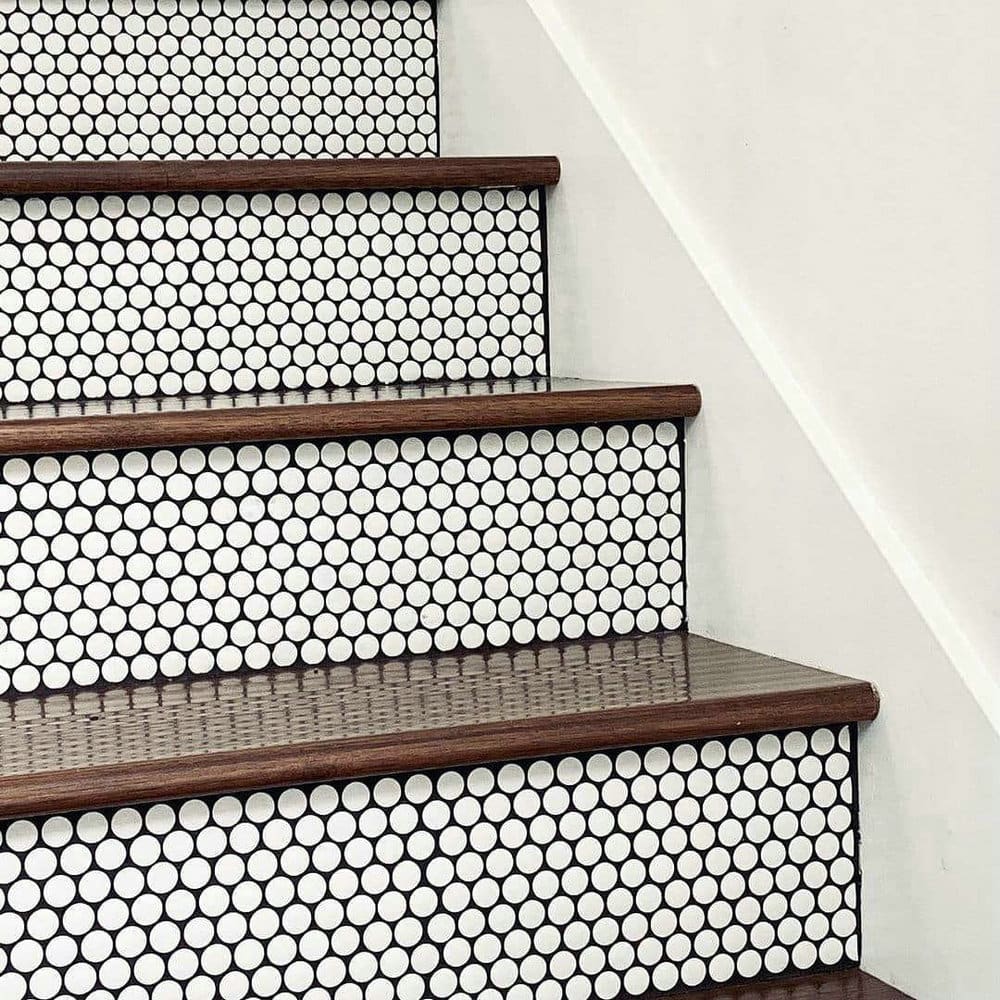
[
  {"x": 840, "y": 157},
  {"x": 802, "y": 148}
]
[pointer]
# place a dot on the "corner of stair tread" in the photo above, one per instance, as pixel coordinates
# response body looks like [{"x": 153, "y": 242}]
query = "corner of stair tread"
[
  {"x": 240, "y": 731},
  {"x": 849, "y": 984},
  {"x": 411, "y": 408}
]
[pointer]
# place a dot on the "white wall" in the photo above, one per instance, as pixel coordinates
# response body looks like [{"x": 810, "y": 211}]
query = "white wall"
[
  {"x": 778, "y": 560},
  {"x": 840, "y": 157}
]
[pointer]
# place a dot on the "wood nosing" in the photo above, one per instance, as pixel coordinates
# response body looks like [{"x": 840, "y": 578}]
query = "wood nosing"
[
  {"x": 839, "y": 984},
  {"x": 162, "y": 176},
  {"x": 301, "y": 421},
  {"x": 355, "y": 757}
]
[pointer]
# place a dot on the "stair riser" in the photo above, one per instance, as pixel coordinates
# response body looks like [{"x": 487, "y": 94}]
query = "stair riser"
[
  {"x": 147, "y": 564},
  {"x": 598, "y": 875},
  {"x": 138, "y": 296},
  {"x": 90, "y": 79}
]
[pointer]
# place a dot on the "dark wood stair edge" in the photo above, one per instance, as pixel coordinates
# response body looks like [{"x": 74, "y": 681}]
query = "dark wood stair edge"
[
  {"x": 844, "y": 984},
  {"x": 48, "y": 435},
  {"x": 162, "y": 176},
  {"x": 302, "y": 763}
]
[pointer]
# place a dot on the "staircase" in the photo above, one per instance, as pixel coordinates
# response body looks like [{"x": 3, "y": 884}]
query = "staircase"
[{"x": 343, "y": 648}]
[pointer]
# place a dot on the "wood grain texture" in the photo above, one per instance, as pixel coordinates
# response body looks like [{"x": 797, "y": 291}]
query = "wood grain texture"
[
  {"x": 92, "y": 749},
  {"x": 128, "y": 177},
  {"x": 850, "y": 985},
  {"x": 536, "y": 403}
]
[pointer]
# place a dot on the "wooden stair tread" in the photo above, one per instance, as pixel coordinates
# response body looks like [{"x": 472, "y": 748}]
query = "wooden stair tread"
[
  {"x": 176, "y": 176},
  {"x": 335, "y": 413},
  {"x": 96, "y": 748},
  {"x": 849, "y": 985}
]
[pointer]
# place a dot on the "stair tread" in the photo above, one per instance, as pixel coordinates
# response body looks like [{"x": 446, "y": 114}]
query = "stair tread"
[
  {"x": 128, "y": 744},
  {"x": 849, "y": 985},
  {"x": 410, "y": 408},
  {"x": 161, "y": 176}
]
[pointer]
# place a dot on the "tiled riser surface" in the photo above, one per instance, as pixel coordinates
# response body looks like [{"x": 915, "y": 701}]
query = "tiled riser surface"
[
  {"x": 159, "y": 296},
  {"x": 158, "y": 563},
  {"x": 603, "y": 875},
  {"x": 195, "y": 79}
]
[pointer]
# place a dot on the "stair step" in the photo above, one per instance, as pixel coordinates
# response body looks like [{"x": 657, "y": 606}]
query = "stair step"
[
  {"x": 138, "y": 295},
  {"x": 416, "y": 409},
  {"x": 92, "y": 79},
  {"x": 851, "y": 984},
  {"x": 635, "y": 870},
  {"x": 142, "y": 564},
  {"x": 87, "y": 750},
  {"x": 195, "y": 176}
]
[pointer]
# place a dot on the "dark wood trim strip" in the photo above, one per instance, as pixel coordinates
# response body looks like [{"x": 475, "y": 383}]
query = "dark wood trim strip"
[
  {"x": 149, "y": 176},
  {"x": 241, "y": 770},
  {"x": 325, "y": 420},
  {"x": 849, "y": 984}
]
